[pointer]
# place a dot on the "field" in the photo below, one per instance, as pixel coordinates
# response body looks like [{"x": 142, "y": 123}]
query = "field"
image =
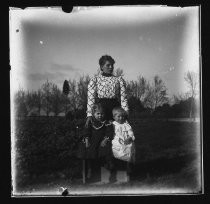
[{"x": 168, "y": 158}]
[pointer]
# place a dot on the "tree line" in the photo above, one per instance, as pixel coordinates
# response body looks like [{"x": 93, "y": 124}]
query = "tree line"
[{"x": 71, "y": 100}]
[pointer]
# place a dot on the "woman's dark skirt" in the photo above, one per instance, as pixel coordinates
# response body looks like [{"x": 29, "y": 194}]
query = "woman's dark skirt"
[{"x": 108, "y": 105}]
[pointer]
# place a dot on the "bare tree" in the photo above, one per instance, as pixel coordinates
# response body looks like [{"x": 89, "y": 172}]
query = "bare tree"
[
  {"x": 82, "y": 91},
  {"x": 20, "y": 103},
  {"x": 34, "y": 101},
  {"x": 73, "y": 98},
  {"x": 142, "y": 85},
  {"x": 176, "y": 99},
  {"x": 118, "y": 72},
  {"x": 29, "y": 101},
  {"x": 192, "y": 81},
  {"x": 56, "y": 101},
  {"x": 131, "y": 88},
  {"x": 38, "y": 97},
  {"x": 149, "y": 100},
  {"x": 155, "y": 94},
  {"x": 47, "y": 91},
  {"x": 137, "y": 88}
]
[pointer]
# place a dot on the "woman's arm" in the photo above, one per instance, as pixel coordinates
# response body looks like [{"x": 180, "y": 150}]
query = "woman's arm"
[
  {"x": 123, "y": 95},
  {"x": 91, "y": 96}
]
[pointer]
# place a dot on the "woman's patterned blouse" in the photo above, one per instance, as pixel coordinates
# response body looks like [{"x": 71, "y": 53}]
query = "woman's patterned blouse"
[{"x": 106, "y": 87}]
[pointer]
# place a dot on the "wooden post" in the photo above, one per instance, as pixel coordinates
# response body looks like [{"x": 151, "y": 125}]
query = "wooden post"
[
  {"x": 83, "y": 170},
  {"x": 83, "y": 164}
]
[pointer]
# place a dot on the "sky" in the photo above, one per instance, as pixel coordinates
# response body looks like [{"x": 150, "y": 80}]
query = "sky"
[{"x": 48, "y": 44}]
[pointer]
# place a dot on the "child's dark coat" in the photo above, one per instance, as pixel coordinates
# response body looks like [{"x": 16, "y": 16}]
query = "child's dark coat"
[{"x": 95, "y": 133}]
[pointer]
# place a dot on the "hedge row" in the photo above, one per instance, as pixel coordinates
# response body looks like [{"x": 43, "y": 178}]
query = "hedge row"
[{"x": 46, "y": 145}]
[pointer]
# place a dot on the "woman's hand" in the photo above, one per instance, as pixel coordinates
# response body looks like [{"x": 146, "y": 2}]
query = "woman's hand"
[
  {"x": 88, "y": 121},
  {"x": 104, "y": 141}
]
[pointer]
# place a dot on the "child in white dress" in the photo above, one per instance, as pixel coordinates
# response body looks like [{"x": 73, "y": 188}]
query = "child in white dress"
[
  {"x": 123, "y": 136},
  {"x": 123, "y": 143}
]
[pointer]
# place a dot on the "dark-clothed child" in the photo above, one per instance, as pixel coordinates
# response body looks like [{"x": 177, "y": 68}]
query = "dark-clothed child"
[{"x": 99, "y": 135}]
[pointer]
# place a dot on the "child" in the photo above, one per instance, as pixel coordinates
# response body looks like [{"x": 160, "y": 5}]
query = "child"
[
  {"x": 99, "y": 135},
  {"x": 122, "y": 144}
]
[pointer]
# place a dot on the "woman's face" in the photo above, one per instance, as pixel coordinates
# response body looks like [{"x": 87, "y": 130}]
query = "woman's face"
[{"x": 107, "y": 68}]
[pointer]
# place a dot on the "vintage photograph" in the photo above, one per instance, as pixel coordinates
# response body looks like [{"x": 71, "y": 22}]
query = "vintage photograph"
[{"x": 106, "y": 101}]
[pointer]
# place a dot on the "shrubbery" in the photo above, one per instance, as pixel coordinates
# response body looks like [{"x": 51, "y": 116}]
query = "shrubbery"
[{"x": 46, "y": 145}]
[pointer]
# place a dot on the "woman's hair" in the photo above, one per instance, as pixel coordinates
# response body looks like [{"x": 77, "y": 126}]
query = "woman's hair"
[
  {"x": 96, "y": 107},
  {"x": 105, "y": 58},
  {"x": 119, "y": 110}
]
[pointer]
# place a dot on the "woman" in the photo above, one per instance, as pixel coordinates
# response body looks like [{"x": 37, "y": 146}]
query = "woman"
[{"x": 107, "y": 89}]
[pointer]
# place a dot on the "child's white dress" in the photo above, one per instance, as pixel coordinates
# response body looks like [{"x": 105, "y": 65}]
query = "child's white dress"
[{"x": 120, "y": 150}]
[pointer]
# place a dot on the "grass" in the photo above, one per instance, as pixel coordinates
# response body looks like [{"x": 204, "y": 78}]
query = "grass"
[{"x": 166, "y": 158}]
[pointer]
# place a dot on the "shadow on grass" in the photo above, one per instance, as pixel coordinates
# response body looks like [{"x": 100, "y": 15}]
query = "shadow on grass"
[{"x": 160, "y": 167}]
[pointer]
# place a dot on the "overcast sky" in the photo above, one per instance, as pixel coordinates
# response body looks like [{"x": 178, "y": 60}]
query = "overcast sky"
[{"x": 46, "y": 43}]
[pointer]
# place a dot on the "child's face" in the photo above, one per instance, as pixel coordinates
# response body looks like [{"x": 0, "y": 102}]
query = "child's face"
[
  {"x": 119, "y": 117},
  {"x": 99, "y": 115}
]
